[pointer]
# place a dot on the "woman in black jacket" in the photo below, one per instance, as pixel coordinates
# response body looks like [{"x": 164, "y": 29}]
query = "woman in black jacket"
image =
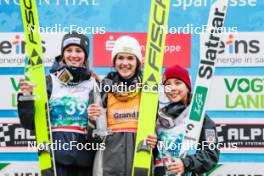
[
  {"x": 170, "y": 127},
  {"x": 68, "y": 101}
]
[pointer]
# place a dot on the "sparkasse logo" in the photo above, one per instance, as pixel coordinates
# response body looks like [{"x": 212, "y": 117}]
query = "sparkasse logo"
[
  {"x": 186, "y": 4},
  {"x": 177, "y": 48}
]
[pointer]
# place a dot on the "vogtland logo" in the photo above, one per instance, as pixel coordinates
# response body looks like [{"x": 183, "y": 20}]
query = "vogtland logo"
[
  {"x": 16, "y": 88},
  {"x": 16, "y": 45},
  {"x": 244, "y": 93},
  {"x": 236, "y": 46}
]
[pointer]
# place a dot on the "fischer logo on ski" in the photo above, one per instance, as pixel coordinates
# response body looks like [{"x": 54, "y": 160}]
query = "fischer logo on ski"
[
  {"x": 156, "y": 38},
  {"x": 159, "y": 13},
  {"x": 34, "y": 71}
]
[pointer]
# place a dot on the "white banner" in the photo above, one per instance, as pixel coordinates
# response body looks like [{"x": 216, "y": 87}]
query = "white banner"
[
  {"x": 14, "y": 137},
  {"x": 10, "y": 88},
  {"x": 241, "y": 169},
  {"x": 13, "y": 49},
  {"x": 241, "y": 49},
  {"x": 19, "y": 169},
  {"x": 235, "y": 93}
]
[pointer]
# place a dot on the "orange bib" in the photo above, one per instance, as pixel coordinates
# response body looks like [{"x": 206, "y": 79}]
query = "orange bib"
[{"x": 122, "y": 116}]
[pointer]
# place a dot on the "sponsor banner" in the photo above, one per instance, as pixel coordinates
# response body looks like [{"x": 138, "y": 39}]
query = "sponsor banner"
[
  {"x": 177, "y": 48},
  {"x": 245, "y": 135},
  {"x": 189, "y": 5},
  {"x": 11, "y": 89},
  {"x": 9, "y": 94},
  {"x": 19, "y": 169},
  {"x": 236, "y": 93},
  {"x": 178, "y": 4},
  {"x": 14, "y": 137},
  {"x": 238, "y": 169},
  {"x": 241, "y": 49},
  {"x": 13, "y": 48}
]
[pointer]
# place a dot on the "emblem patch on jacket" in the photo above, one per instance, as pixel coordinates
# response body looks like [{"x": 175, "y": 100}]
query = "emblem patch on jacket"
[{"x": 210, "y": 135}]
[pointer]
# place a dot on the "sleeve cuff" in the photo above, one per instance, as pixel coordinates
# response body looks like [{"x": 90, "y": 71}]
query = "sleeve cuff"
[
  {"x": 91, "y": 124},
  {"x": 22, "y": 97},
  {"x": 186, "y": 163}
]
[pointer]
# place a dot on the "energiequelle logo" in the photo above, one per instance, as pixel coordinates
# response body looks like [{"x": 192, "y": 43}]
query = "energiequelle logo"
[
  {"x": 237, "y": 46},
  {"x": 16, "y": 45}
]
